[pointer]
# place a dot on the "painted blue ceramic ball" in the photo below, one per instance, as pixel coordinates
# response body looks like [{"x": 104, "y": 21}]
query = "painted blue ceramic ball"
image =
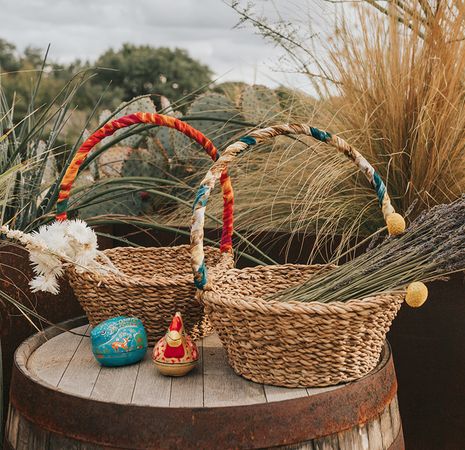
[{"x": 119, "y": 341}]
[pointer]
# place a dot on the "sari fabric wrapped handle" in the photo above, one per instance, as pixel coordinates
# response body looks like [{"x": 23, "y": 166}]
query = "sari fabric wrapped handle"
[
  {"x": 154, "y": 119},
  {"x": 394, "y": 221}
]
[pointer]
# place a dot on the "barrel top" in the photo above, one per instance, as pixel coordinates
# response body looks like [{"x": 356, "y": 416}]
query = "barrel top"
[
  {"x": 66, "y": 362},
  {"x": 59, "y": 386}
]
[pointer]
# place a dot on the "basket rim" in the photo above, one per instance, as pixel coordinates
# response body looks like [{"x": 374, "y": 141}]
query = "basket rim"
[
  {"x": 213, "y": 296},
  {"x": 125, "y": 280}
]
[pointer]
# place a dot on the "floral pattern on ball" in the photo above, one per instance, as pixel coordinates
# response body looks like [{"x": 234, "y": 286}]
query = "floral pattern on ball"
[{"x": 119, "y": 341}]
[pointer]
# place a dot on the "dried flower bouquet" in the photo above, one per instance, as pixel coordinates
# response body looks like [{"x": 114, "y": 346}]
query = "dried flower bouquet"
[{"x": 56, "y": 245}]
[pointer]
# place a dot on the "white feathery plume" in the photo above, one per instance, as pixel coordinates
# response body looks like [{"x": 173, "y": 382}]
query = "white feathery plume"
[
  {"x": 45, "y": 284},
  {"x": 55, "y": 245}
]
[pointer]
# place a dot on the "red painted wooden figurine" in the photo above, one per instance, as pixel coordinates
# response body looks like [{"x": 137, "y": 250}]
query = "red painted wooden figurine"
[{"x": 175, "y": 354}]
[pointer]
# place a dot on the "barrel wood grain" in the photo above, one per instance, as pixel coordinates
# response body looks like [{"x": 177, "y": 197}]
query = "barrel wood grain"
[
  {"x": 188, "y": 391},
  {"x": 50, "y": 360},
  {"x": 115, "y": 385},
  {"x": 222, "y": 387},
  {"x": 65, "y": 361},
  {"x": 152, "y": 388},
  {"x": 81, "y": 374},
  {"x": 276, "y": 393},
  {"x": 12, "y": 427}
]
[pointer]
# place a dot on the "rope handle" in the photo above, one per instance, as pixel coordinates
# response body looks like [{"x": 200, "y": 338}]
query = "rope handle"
[
  {"x": 160, "y": 120},
  {"x": 394, "y": 221}
]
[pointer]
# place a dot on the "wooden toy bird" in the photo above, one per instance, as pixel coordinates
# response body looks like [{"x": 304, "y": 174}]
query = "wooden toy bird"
[{"x": 175, "y": 354}]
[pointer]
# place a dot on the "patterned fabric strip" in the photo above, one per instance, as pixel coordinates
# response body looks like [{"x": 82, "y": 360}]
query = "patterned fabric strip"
[
  {"x": 155, "y": 119},
  {"x": 208, "y": 183}
]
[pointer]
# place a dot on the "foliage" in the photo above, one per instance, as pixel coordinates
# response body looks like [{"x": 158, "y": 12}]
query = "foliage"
[
  {"x": 395, "y": 91},
  {"x": 166, "y": 153},
  {"x": 278, "y": 185},
  {"x": 31, "y": 144},
  {"x": 138, "y": 70},
  {"x": 8, "y": 60},
  {"x": 122, "y": 75},
  {"x": 417, "y": 15},
  {"x": 417, "y": 138}
]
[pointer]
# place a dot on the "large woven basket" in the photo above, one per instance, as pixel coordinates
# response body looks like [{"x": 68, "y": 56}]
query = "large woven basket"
[
  {"x": 292, "y": 344},
  {"x": 152, "y": 283}
]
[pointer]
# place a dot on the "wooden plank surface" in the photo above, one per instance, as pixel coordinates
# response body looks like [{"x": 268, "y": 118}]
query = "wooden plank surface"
[
  {"x": 321, "y": 390},
  {"x": 82, "y": 371},
  {"x": 188, "y": 391},
  {"x": 115, "y": 384},
  {"x": 222, "y": 387},
  {"x": 356, "y": 437},
  {"x": 152, "y": 388},
  {"x": 12, "y": 427},
  {"x": 277, "y": 394},
  {"x": 51, "y": 359},
  {"x": 386, "y": 427},
  {"x": 375, "y": 438},
  {"x": 395, "y": 416},
  {"x": 66, "y": 361}
]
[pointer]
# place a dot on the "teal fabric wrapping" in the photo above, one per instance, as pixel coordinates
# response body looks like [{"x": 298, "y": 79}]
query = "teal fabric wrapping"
[
  {"x": 249, "y": 140},
  {"x": 200, "y": 283},
  {"x": 198, "y": 197},
  {"x": 322, "y": 136},
  {"x": 62, "y": 206},
  {"x": 379, "y": 186}
]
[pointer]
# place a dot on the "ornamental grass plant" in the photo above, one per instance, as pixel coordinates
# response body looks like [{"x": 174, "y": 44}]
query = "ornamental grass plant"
[
  {"x": 294, "y": 186},
  {"x": 389, "y": 79}
]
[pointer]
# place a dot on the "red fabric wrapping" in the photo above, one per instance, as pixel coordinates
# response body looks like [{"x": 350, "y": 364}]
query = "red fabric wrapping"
[{"x": 161, "y": 120}]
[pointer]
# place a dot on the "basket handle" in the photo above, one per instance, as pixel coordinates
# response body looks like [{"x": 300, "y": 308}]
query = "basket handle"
[
  {"x": 255, "y": 137},
  {"x": 160, "y": 120}
]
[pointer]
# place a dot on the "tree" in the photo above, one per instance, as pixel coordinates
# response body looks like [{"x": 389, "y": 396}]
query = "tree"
[
  {"x": 33, "y": 57},
  {"x": 8, "y": 59},
  {"x": 143, "y": 69}
]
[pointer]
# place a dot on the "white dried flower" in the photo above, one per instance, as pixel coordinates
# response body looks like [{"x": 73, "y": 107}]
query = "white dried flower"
[
  {"x": 45, "y": 284},
  {"x": 53, "y": 235},
  {"x": 79, "y": 230},
  {"x": 82, "y": 242},
  {"x": 45, "y": 263},
  {"x": 70, "y": 241}
]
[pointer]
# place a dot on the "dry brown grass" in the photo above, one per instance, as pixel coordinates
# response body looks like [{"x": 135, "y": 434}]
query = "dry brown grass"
[
  {"x": 296, "y": 186},
  {"x": 401, "y": 98},
  {"x": 394, "y": 89}
]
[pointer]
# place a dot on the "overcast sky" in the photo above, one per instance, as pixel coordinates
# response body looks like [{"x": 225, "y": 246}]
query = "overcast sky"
[{"x": 85, "y": 28}]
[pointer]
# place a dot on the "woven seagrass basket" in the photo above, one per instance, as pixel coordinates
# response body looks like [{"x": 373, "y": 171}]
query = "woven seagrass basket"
[
  {"x": 292, "y": 344},
  {"x": 152, "y": 283}
]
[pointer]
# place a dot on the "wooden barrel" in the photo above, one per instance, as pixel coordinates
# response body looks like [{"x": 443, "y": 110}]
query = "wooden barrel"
[{"x": 61, "y": 398}]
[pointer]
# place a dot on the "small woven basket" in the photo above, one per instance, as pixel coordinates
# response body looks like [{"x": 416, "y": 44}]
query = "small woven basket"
[
  {"x": 292, "y": 344},
  {"x": 152, "y": 283}
]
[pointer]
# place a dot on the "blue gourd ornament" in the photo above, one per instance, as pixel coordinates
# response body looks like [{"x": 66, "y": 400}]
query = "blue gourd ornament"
[{"x": 119, "y": 341}]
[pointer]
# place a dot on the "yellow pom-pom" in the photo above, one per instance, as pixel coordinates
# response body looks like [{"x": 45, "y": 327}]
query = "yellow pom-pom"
[
  {"x": 417, "y": 293},
  {"x": 395, "y": 224}
]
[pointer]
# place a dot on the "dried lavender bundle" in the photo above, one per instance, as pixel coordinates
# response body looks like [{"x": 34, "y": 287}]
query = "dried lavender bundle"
[{"x": 432, "y": 247}]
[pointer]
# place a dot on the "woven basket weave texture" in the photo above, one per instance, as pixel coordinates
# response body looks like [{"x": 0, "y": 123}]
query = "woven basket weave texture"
[
  {"x": 290, "y": 343},
  {"x": 153, "y": 299},
  {"x": 152, "y": 283},
  {"x": 296, "y": 344}
]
